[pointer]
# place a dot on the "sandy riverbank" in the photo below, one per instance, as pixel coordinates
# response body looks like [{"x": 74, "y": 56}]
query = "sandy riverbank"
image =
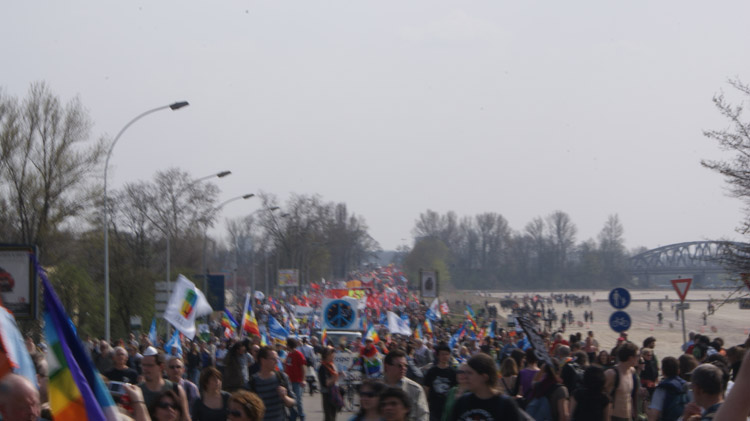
[{"x": 729, "y": 321}]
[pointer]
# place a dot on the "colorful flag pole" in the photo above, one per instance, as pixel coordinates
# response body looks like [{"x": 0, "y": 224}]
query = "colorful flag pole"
[{"x": 76, "y": 390}]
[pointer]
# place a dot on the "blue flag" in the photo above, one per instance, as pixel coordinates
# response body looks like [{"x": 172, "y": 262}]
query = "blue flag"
[
  {"x": 453, "y": 341},
  {"x": 493, "y": 327},
  {"x": 276, "y": 330},
  {"x": 152, "y": 332},
  {"x": 174, "y": 342}
]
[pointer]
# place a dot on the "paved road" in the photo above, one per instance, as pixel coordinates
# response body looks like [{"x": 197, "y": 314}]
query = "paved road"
[{"x": 314, "y": 409}]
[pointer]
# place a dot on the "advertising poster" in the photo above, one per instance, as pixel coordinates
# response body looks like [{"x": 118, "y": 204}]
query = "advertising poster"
[
  {"x": 17, "y": 286},
  {"x": 288, "y": 277}
]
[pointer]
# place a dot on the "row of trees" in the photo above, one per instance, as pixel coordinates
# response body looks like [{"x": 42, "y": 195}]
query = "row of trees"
[
  {"x": 51, "y": 196},
  {"x": 482, "y": 251}
]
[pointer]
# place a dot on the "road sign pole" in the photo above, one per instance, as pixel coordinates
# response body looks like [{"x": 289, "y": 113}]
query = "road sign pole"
[{"x": 684, "y": 335}]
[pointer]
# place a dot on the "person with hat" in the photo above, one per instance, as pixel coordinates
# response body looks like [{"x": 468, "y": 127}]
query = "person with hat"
[
  {"x": 155, "y": 384},
  {"x": 372, "y": 365}
]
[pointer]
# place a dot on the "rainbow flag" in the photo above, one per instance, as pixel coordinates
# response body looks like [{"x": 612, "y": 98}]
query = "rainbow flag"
[
  {"x": 372, "y": 334},
  {"x": 228, "y": 321},
  {"x": 418, "y": 333},
  {"x": 76, "y": 391},
  {"x": 324, "y": 337},
  {"x": 471, "y": 317},
  {"x": 249, "y": 324},
  {"x": 263, "y": 338},
  {"x": 428, "y": 326}
]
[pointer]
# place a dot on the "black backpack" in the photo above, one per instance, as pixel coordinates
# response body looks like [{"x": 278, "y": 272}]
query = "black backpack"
[{"x": 572, "y": 375}]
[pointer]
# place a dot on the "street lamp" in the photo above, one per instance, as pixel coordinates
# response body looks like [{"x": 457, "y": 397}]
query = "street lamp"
[
  {"x": 205, "y": 236},
  {"x": 220, "y": 174},
  {"x": 283, "y": 215},
  {"x": 175, "y": 106}
]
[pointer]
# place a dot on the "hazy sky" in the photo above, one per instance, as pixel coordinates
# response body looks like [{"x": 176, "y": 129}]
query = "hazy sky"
[{"x": 395, "y": 107}]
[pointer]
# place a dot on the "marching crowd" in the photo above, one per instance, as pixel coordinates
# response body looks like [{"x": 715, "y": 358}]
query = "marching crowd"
[{"x": 465, "y": 368}]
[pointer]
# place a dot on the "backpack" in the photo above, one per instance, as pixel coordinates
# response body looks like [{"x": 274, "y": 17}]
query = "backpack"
[
  {"x": 572, "y": 375},
  {"x": 539, "y": 408},
  {"x": 675, "y": 400}
]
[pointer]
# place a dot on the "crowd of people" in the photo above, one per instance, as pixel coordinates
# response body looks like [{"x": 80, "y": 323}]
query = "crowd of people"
[{"x": 463, "y": 367}]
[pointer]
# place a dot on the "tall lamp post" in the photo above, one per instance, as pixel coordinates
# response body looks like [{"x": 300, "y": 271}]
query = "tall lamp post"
[
  {"x": 220, "y": 174},
  {"x": 283, "y": 215},
  {"x": 252, "y": 254},
  {"x": 175, "y": 106},
  {"x": 205, "y": 238}
]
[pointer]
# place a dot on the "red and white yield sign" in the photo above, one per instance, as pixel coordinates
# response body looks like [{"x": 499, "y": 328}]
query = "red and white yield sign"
[{"x": 682, "y": 286}]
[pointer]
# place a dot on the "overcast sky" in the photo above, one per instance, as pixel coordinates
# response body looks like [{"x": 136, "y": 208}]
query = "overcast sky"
[{"x": 395, "y": 107}]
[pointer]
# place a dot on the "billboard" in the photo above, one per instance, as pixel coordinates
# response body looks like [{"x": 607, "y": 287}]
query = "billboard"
[
  {"x": 18, "y": 280},
  {"x": 428, "y": 281},
  {"x": 288, "y": 277}
]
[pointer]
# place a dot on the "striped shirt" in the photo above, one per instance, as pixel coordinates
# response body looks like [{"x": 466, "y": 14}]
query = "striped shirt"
[{"x": 266, "y": 389}]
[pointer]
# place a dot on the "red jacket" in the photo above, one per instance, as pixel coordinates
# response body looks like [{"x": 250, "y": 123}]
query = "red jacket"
[{"x": 294, "y": 366}]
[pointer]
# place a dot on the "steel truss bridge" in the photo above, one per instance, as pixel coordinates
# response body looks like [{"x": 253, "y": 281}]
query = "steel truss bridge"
[{"x": 696, "y": 259}]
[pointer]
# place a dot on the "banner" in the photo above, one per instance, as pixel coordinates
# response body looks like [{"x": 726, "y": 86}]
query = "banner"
[
  {"x": 288, "y": 278},
  {"x": 186, "y": 303}
]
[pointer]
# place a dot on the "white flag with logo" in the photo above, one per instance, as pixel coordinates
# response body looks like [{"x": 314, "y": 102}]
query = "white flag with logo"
[
  {"x": 186, "y": 303},
  {"x": 398, "y": 325}
]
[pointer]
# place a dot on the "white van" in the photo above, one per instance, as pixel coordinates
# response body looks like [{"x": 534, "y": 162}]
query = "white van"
[{"x": 336, "y": 337}]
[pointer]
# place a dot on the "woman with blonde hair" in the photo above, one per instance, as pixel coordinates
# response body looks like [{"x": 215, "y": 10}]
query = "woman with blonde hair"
[{"x": 509, "y": 384}]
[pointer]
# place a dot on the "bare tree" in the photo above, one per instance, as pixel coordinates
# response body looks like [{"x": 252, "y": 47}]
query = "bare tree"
[
  {"x": 45, "y": 162},
  {"x": 736, "y": 171}
]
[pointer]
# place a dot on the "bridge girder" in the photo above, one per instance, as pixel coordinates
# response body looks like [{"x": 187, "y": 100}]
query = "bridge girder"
[{"x": 704, "y": 257}]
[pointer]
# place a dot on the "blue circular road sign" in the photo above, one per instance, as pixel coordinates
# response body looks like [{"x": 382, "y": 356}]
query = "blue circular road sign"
[
  {"x": 620, "y": 321},
  {"x": 619, "y": 298}
]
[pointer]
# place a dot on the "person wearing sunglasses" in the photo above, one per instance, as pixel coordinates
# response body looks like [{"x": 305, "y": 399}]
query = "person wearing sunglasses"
[
  {"x": 175, "y": 373},
  {"x": 245, "y": 406},
  {"x": 369, "y": 400},
  {"x": 166, "y": 407}
]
